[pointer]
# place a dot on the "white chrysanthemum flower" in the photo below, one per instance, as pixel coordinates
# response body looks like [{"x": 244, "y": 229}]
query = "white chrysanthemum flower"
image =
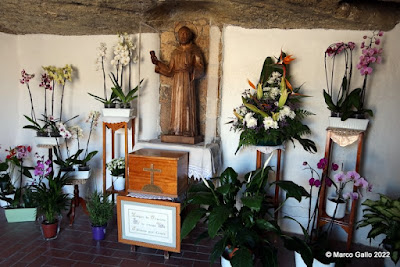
[
  {"x": 113, "y": 62},
  {"x": 117, "y": 57},
  {"x": 271, "y": 80},
  {"x": 248, "y": 116},
  {"x": 274, "y": 92},
  {"x": 292, "y": 115},
  {"x": 251, "y": 123},
  {"x": 276, "y": 75},
  {"x": 270, "y": 123}
]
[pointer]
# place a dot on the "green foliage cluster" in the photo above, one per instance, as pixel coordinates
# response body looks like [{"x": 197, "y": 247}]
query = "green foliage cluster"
[
  {"x": 383, "y": 216},
  {"x": 100, "y": 209},
  {"x": 51, "y": 200},
  {"x": 241, "y": 228}
]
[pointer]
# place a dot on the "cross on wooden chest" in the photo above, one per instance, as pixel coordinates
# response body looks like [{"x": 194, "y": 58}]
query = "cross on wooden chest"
[{"x": 158, "y": 172}]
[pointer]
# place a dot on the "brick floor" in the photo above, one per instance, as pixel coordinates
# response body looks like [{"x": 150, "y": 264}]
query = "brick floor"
[{"x": 21, "y": 244}]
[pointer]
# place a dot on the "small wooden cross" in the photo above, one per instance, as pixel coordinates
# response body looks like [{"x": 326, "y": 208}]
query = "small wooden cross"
[{"x": 152, "y": 171}]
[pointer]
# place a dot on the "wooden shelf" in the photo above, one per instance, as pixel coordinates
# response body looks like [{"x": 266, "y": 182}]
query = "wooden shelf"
[
  {"x": 346, "y": 223},
  {"x": 115, "y": 127}
]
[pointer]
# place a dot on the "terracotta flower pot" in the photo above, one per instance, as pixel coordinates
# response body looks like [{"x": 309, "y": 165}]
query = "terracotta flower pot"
[{"x": 49, "y": 231}]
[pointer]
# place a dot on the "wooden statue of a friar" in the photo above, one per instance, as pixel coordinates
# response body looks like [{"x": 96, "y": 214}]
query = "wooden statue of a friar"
[{"x": 186, "y": 65}]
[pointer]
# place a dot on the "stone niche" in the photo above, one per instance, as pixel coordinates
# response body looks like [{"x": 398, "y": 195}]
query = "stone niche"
[{"x": 201, "y": 29}]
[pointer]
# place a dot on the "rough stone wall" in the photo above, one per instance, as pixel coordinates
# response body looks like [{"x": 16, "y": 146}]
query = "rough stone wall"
[{"x": 168, "y": 44}]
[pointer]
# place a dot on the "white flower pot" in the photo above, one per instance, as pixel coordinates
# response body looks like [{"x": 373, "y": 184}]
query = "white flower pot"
[
  {"x": 354, "y": 124},
  {"x": 118, "y": 112},
  {"x": 331, "y": 206},
  {"x": 300, "y": 263},
  {"x": 225, "y": 262},
  {"x": 77, "y": 174},
  {"x": 119, "y": 183}
]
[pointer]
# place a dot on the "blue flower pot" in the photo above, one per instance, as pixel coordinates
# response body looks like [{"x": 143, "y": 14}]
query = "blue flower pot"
[{"x": 99, "y": 232}]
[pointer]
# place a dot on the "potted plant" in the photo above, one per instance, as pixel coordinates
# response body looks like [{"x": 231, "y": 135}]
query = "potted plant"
[
  {"x": 336, "y": 205},
  {"x": 124, "y": 56},
  {"x": 83, "y": 169},
  {"x": 243, "y": 232},
  {"x": 51, "y": 202},
  {"x": 271, "y": 114},
  {"x": 383, "y": 216},
  {"x": 117, "y": 169},
  {"x": 15, "y": 197},
  {"x": 101, "y": 210},
  {"x": 347, "y": 103},
  {"x": 310, "y": 248}
]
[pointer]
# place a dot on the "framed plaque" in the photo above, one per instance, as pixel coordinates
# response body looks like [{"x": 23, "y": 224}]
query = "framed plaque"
[{"x": 149, "y": 223}]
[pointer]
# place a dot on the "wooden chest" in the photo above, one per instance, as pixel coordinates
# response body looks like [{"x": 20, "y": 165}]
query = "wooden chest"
[{"x": 158, "y": 172}]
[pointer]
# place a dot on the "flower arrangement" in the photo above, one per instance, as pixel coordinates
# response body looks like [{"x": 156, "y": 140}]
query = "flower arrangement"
[
  {"x": 116, "y": 167},
  {"x": 347, "y": 102},
  {"x": 270, "y": 112},
  {"x": 124, "y": 55}
]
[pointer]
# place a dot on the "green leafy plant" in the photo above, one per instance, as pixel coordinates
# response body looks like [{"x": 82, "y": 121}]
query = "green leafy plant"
[
  {"x": 106, "y": 101},
  {"x": 270, "y": 113},
  {"x": 100, "y": 209},
  {"x": 383, "y": 216},
  {"x": 69, "y": 161},
  {"x": 117, "y": 90},
  {"x": 51, "y": 200},
  {"x": 244, "y": 230},
  {"x": 35, "y": 125}
]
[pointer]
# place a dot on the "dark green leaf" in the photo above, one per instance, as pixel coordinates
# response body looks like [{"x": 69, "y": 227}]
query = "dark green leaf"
[
  {"x": 253, "y": 203},
  {"x": 217, "y": 218},
  {"x": 218, "y": 249},
  {"x": 191, "y": 221},
  {"x": 292, "y": 190},
  {"x": 242, "y": 258}
]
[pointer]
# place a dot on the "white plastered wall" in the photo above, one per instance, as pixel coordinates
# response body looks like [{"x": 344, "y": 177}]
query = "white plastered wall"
[{"x": 244, "y": 51}]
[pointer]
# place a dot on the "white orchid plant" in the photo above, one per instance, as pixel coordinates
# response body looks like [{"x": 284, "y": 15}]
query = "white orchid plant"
[{"x": 124, "y": 53}]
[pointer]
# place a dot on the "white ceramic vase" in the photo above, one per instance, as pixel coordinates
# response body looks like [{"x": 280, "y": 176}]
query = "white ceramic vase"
[
  {"x": 119, "y": 183},
  {"x": 300, "y": 263},
  {"x": 331, "y": 206}
]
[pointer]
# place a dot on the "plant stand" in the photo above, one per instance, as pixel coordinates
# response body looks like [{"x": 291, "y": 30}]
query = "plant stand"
[
  {"x": 76, "y": 200},
  {"x": 275, "y": 199},
  {"x": 346, "y": 223},
  {"x": 114, "y": 127}
]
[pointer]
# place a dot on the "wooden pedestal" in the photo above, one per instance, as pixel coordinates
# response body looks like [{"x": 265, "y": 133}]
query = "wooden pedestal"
[{"x": 179, "y": 139}]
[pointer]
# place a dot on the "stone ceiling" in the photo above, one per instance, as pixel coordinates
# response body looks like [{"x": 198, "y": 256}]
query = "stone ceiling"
[{"x": 92, "y": 17}]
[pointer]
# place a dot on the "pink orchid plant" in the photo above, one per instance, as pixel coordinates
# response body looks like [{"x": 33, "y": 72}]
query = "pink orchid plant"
[
  {"x": 341, "y": 179},
  {"x": 345, "y": 101}
]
